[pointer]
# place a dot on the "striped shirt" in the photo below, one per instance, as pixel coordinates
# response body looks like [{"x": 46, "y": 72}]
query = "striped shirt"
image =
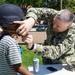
[{"x": 9, "y": 55}]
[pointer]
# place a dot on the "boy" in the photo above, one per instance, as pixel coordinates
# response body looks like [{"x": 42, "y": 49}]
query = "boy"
[{"x": 10, "y": 57}]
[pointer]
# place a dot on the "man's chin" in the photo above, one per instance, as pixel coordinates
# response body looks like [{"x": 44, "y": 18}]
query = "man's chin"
[{"x": 55, "y": 30}]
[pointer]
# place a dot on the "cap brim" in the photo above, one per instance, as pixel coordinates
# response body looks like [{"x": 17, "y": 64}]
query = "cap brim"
[{"x": 8, "y": 20}]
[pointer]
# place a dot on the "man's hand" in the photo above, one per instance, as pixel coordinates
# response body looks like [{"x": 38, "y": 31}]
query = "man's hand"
[{"x": 25, "y": 26}]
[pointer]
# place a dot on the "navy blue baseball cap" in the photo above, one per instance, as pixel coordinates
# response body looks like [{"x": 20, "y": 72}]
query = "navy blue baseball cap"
[{"x": 10, "y": 13}]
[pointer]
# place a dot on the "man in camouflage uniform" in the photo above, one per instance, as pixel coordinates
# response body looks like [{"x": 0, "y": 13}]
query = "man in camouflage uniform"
[{"x": 60, "y": 43}]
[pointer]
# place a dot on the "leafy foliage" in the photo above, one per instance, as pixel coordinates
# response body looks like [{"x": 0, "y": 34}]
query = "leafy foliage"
[
  {"x": 2, "y": 2},
  {"x": 71, "y": 5},
  {"x": 55, "y": 4},
  {"x": 34, "y": 3}
]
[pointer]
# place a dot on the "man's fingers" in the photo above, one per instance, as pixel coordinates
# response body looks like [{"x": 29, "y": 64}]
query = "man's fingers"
[
  {"x": 24, "y": 33},
  {"x": 19, "y": 22},
  {"x": 20, "y": 28}
]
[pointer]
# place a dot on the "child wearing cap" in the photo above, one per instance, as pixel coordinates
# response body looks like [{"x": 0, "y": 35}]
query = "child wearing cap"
[{"x": 10, "y": 56}]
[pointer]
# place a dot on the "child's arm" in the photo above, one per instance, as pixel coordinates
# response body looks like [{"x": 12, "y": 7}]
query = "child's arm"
[
  {"x": 20, "y": 69},
  {"x": 28, "y": 39}
]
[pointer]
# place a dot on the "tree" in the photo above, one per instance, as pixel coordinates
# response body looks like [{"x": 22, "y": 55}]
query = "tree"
[
  {"x": 34, "y": 3},
  {"x": 24, "y": 3},
  {"x": 55, "y": 4},
  {"x": 2, "y": 2},
  {"x": 70, "y": 5}
]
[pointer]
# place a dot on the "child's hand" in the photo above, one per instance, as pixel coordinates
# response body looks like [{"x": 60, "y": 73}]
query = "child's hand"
[{"x": 28, "y": 39}]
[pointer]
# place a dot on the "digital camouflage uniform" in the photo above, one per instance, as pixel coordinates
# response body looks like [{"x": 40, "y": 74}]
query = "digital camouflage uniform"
[{"x": 60, "y": 45}]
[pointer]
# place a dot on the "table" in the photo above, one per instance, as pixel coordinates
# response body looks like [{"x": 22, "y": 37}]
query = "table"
[{"x": 44, "y": 71}]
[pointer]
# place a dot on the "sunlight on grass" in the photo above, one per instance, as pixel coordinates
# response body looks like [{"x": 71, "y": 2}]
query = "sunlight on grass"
[{"x": 27, "y": 57}]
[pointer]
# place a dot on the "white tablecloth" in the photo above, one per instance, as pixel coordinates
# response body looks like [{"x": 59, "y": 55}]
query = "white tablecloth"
[{"x": 44, "y": 71}]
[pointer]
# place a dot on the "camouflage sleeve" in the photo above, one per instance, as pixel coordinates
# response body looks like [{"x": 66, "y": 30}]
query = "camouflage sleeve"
[
  {"x": 32, "y": 13},
  {"x": 55, "y": 52},
  {"x": 40, "y": 13}
]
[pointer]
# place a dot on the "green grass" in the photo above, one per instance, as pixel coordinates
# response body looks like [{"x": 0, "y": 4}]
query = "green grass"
[{"x": 27, "y": 57}]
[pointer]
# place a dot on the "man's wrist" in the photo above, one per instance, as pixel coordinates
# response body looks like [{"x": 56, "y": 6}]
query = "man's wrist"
[{"x": 32, "y": 47}]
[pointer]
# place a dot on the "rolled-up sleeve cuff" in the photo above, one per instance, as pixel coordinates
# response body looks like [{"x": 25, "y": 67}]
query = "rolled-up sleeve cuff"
[
  {"x": 38, "y": 48},
  {"x": 33, "y": 15}
]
